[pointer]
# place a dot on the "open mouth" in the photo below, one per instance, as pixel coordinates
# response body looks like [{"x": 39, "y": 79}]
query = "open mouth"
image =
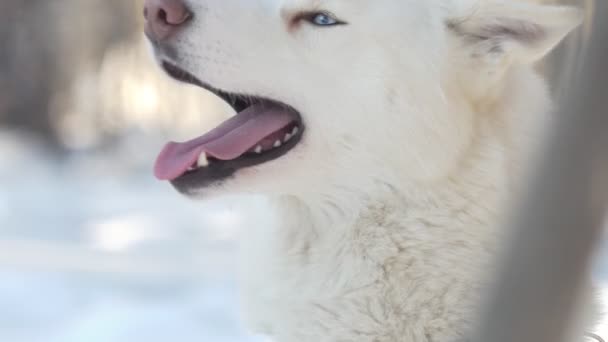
[{"x": 262, "y": 130}]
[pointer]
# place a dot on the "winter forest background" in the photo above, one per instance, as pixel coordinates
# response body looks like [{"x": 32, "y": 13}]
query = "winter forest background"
[{"x": 92, "y": 248}]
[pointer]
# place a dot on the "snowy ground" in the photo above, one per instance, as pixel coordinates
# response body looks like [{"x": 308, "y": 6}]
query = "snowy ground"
[{"x": 93, "y": 249}]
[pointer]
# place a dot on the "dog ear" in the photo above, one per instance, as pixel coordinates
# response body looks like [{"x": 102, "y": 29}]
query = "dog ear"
[{"x": 514, "y": 32}]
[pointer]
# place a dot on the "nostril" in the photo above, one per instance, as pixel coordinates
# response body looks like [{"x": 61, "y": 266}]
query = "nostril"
[
  {"x": 162, "y": 17},
  {"x": 174, "y": 16},
  {"x": 167, "y": 16}
]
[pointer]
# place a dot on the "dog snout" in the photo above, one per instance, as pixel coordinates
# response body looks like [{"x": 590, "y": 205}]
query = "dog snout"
[{"x": 164, "y": 18}]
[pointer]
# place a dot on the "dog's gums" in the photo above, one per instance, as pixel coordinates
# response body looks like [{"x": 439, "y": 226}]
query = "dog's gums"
[{"x": 261, "y": 131}]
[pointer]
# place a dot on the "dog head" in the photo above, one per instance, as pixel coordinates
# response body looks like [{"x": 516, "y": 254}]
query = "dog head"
[{"x": 338, "y": 96}]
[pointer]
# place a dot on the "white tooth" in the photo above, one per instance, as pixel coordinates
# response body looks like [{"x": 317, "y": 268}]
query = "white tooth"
[
  {"x": 278, "y": 143},
  {"x": 287, "y": 137},
  {"x": 295, "y": 131},
  {"x": 202, "y": 160},
  {"x": 258, "y": 149}
]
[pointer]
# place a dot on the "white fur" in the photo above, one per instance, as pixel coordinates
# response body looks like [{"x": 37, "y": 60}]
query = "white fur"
[{"x": 417, "y": 116}]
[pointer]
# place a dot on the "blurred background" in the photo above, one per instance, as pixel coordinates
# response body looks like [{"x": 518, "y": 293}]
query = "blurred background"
[{"x": 92, "y": 248}]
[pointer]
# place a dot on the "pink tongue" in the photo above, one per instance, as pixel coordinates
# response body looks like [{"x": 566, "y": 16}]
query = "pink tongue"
[{"x": 227, "y": 142}]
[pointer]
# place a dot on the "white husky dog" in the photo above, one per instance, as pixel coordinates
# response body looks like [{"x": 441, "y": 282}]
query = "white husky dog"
[{"x": 386, "y": 135}]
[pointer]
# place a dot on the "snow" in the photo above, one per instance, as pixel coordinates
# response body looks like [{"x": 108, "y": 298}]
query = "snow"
[{"x": 93, "y": 249}]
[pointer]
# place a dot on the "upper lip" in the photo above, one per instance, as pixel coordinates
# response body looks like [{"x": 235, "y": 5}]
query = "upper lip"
[
  {"x": 237, "y": 101},
  {"x": 182, "y": 75}
]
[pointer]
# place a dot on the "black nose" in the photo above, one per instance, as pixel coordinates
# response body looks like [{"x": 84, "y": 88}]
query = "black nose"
[{"x": 164, "y": 17}]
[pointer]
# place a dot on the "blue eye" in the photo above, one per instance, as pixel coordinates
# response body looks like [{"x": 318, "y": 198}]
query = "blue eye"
[{"x": 324, "y": 19}]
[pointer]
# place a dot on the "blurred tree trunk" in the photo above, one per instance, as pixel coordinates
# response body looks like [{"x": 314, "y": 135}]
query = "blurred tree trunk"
[
  {"x": 563, "y": 61},
  {"x": 43, "y": 44},
  {"x": 26, "y": 68}
]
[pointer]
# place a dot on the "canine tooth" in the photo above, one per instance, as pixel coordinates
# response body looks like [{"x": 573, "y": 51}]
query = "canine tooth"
[
  {"x": 295, "y": 131},
  {"x": 278, "y": 143},
  {"x": 287, "y": 137},
  {"x": 202, "y": 160},
  {"x": 258, "y": 149}
]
